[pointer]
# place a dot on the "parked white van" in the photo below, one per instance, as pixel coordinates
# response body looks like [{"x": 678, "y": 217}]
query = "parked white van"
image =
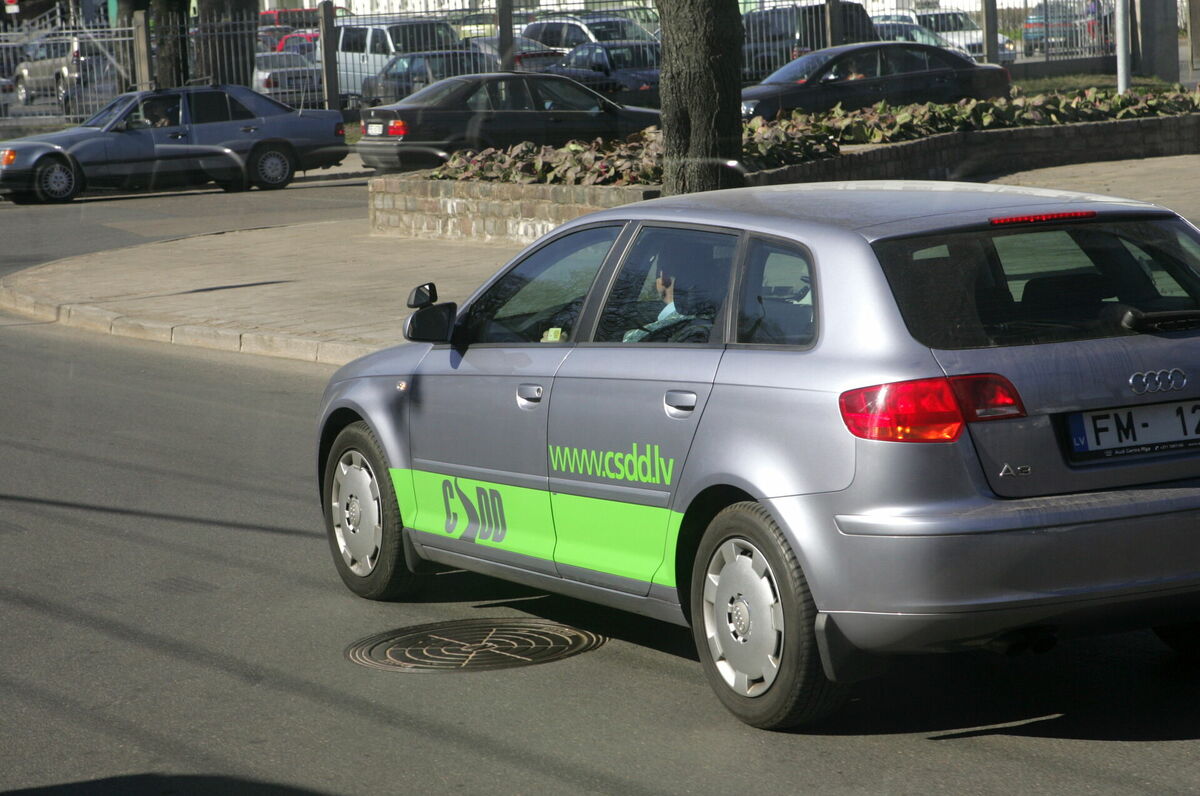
[{"x": 364, "y": 45}]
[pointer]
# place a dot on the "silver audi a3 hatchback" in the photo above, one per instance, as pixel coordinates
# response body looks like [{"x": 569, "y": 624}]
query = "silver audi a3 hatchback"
[{"x": 821, "y": 424}]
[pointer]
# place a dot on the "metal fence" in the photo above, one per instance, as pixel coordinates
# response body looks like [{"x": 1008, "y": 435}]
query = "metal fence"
[{"x": 381, "y": 47}]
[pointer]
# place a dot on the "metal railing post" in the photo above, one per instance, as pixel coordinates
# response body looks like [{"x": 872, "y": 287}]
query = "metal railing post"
[
  {"x": 833, "y": 23},
  {"x": 141, "y": 51},
  {"x": 991, "y": 45},
  {"x": 504, "y": 9},
  {"x": 329, "y": 65}
]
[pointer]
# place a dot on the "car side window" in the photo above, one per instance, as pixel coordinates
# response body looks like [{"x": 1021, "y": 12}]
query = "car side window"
[
  {"x": 156, "y": 110},
  {"x": 580, "y": 58},
  {"x": 379, "y": 43},
  {"x": 904, "y": 60},
  {"x": 354, "y": 40},
  {"x": 670, "y": 289},
  {"x": 239, "y": 111},
  {"x": 573, "y": 36},
  {"x": 776, "y": 302},
  {"x": 512, "y": 95},
  {"x": 207, "y": 107},
  {"x": 398, "y": 67},
  {"x": 540, "y": 298},
  {"x": 561, "y": 95},
  {"x": 480, "y": 99},
  {"x": 939, "y": 61}
]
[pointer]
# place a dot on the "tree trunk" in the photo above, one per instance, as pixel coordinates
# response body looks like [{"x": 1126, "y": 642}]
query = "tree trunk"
[
  {"x": 701, "y": 94},
  {"x": 169, "y": 18}
]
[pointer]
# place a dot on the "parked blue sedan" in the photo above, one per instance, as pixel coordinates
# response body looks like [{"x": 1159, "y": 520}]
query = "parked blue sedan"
[{"x": 182, "y": 136}]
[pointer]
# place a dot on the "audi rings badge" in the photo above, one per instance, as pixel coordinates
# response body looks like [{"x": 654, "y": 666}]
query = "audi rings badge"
[{"x": 1151, "y": 381}]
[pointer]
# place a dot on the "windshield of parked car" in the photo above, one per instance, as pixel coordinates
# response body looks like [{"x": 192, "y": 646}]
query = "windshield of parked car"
[
  {"x": 634, "y": 56},
  {"x": 449, "y": 64},
  {"x": 109, "y": 113},
  {"x": 619, "y": 29},
  {"x": 1044, "y": 283},
  {"x": 801, "y": 70},
  {"x": 281, "y": 60},
  {"x": 425, "y": 36}
]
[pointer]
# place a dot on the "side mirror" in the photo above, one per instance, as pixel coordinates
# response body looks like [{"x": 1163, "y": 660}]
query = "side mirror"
[
  {"x": 422, "y": 296},
  {"x": 432, "y": 324}
]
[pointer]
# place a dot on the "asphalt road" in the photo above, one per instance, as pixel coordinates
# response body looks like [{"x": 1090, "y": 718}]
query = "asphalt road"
[
  {"x": 32, "y": 234},
  {"x": 172, "y": 621}
]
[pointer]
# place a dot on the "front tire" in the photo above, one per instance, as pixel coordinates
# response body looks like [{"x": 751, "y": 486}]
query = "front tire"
[
  {"x": 55, "y": 181},
  {"x": 24, "y": 96},
  {"x": 362, "y": 517},
  {"x": 272, "y": 167},
  {"x": 752, "y": 620}
]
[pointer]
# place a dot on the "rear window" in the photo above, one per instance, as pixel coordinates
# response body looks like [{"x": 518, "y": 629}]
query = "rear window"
[
  {"x": 418, "y": 36},
  {"x": 1039, "y": 283}
]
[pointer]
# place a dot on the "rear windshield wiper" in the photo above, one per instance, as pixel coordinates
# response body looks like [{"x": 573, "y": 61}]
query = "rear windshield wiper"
[{"x": 1174, "y": 320}]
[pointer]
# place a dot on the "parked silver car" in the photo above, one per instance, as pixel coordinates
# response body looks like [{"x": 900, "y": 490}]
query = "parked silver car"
[
  {"x": 182, "y": 136},
  {"x": 821, "y": 423},
  {"x": 291, "y": 78}
]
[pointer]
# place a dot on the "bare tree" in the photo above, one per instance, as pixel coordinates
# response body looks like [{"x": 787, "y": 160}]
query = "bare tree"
[
  {"x": 701, "y": 94},
  {"x": 170, "y": 42}
]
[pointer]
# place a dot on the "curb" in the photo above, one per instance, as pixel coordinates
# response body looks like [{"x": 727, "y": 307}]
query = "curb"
[{"x": 232, "y": 339}]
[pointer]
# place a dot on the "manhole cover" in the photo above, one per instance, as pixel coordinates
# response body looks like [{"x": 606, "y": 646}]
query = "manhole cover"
[{"x": 472, "y": 644}]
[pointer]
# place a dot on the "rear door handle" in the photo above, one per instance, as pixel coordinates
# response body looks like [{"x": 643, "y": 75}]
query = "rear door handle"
[
  {"x": 529, "y": 393},
  {"x": 680, "y": 400},
  {"x": 177, "y": 136},
  {"x": 249, "y": 129}
]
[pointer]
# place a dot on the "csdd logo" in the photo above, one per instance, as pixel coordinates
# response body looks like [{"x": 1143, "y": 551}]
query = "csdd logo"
[{"x": 485, "y": 516}]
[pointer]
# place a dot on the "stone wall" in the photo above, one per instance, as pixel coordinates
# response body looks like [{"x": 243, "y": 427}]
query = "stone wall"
[{"x": 411, "y": 206}]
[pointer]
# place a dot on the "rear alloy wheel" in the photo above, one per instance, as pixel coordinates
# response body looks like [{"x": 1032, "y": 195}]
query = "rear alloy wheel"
[
  {"x": 272, "y": 168},
  {"x": 55, "y": 180},
  {"x": 362, "y": 517},
  {"x": 1184, "y": 639},
  {"x": 60, "y": 91},
  {"x": 23, "y": 95},
  {"x": 752, "y": 619}
]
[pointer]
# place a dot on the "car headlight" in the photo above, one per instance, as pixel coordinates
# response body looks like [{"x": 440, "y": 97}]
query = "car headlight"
[{"x": 748, "y": 107}]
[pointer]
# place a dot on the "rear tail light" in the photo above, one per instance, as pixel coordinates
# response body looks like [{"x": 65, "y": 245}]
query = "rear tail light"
[
  {"x": 928, "y": 410},
  {"x": 269, "y": 83},
  {"x": 339, "y": 129},
  {"x": 1039, "y": 218},
  {"x": 397, "y": 127}
]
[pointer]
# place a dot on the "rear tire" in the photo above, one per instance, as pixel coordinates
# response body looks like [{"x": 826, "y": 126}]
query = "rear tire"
[
  {"x": 362, "y": 518},
  {"x": 271, "y": 167},
  {"x": 752, "y": 620},
  {"x": 1184, "y": 639},
  {"x": 24, "y": 96}
]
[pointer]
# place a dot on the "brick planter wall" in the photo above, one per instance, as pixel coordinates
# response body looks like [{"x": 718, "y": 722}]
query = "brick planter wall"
[{"x": 411, "y": 206}]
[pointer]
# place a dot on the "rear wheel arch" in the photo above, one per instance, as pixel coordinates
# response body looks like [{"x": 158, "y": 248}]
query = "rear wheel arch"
[{"x": 700, "y": 512}]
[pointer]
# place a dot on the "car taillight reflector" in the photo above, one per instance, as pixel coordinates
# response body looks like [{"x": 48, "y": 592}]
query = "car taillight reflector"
[
  {"x": 1038, "y": 218},
  {"x": 397, "y": 127},
  {"x": 340, "y": 129},
  {"x": 928, "y": 410},
  {"x": 7, "y": 156},
  {"x": 269, "y": 82}
]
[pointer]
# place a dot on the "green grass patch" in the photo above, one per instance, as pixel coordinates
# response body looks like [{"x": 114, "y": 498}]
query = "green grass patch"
[{"x": 1063, "y": 84}]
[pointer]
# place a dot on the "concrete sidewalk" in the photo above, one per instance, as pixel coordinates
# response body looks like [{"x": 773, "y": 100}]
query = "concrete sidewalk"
[{"x": 331, "y": 292}]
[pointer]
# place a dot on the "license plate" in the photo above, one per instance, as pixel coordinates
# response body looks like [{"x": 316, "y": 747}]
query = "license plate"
[
  {"x": 374, "y": 129},
  {"x": 1135, "y": 430}
]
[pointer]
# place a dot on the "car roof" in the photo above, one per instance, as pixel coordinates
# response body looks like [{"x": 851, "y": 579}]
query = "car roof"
[{"x": 874, "y": 209}]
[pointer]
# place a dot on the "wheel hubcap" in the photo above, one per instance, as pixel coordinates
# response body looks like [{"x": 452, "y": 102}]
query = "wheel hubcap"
[
  {"x": 743, "y": 617},
  {"x": 273, "y": 167},
  {"x": 58, "y": 181},
  {"x": 357, "y": 513}
]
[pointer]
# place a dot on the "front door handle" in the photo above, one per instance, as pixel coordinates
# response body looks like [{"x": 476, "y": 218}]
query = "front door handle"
[
  {"x": 249, "y": 129},
  {"x": 680, "y": 400},
  {"x": 529, "y": 393},
  {"x": 177, "y": 136}
]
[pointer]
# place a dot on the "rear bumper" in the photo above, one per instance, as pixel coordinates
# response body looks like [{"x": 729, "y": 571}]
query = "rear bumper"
[
  {"x": 906, "y": 583},
  {"x": 398, "y": 155}
]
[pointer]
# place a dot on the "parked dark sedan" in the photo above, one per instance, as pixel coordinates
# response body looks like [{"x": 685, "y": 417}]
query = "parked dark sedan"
[
  {"x": 409, "y": 72},
  {"x": 858, "y": 75},
  {"x": 623, "y": 71},
  {"x": 491, "y": 110},
  {"x": 181, "y": 136}
]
